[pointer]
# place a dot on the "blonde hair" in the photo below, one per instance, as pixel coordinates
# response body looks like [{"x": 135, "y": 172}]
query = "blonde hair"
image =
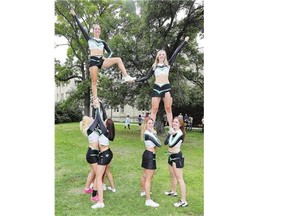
[
  {"x": 157, "y": 60},
  {"x": 144, "y": 126},
  {"x": 84, "y": 124}
]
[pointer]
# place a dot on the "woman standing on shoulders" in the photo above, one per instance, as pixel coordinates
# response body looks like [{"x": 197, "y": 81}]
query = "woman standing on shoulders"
[
  {"x": 97, "y": 61},
  {"x": 176, "y": 160},
  {"x": 162, "y": 87},
  {"x": 148, "y": 159}
]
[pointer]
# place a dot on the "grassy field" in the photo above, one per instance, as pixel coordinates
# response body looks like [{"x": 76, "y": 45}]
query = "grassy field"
[{"x": 71, "y": 170}]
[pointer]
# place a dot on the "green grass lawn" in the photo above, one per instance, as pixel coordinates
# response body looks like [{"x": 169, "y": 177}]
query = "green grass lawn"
[{"x": 71, "y": 170}]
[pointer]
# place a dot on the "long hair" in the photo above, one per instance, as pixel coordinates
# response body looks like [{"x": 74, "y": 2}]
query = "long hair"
[
  {"x": 182, "y": 127},
  {"x": 144, "y": 125},
  {"x": 84, "y": 124},
  {"x": 157, "y": 60},
  {"x": 111, "y": 129}
]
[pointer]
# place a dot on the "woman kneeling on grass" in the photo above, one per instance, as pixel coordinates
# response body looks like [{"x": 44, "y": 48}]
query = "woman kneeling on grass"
[
  {"x": 176, "y": 160},
  {"x": 106, "y": 133},
  {"x": 148, "y": 160}
]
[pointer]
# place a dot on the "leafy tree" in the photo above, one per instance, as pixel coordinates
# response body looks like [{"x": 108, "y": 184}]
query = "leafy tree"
[{"x": 135, "y": 38}]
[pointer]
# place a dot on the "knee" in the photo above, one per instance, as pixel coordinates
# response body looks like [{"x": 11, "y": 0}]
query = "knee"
[
  {"x": 119, "y": 60},
  {"x": 154, "y": 109},
  {"x": 168, "y": 109}
]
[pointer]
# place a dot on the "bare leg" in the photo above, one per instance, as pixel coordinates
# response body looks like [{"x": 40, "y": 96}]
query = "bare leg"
[
  {"x": 179, "y": 176},
  {"x": 110, "y": 177},
  {"x": 173, "y": 179},
  {"x": 94, "y": 167},
  {"x": 142, "y": 181},
  {"x": 112, "y": 61},
  {"x": 148, "y": 180},
  {"x": 99, "y": 176},
  {"x": 155, "y": 106},
  {"x": 90, "y": 178},
  {"x": 168, "y": 107},
  {"x": 94, "y": 81}
]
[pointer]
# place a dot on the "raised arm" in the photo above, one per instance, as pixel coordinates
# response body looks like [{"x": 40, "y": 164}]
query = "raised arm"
[
  {"x": 150, "y": 136},
  {"x": 107, "y": 48},
  {"x": 173, "y": 140},
  {"x": 84, "y": 32},
  {"x": 95, "y": 123},
  {"x": 148, "y": 75},
  {"x": 173, "y": 57},
  {"x": 100, "y": 123}
]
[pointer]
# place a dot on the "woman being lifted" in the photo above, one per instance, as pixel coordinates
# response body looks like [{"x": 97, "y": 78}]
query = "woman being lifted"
[
  {"x": 162, "y": 86},
  {"x": 97, "y": 61}
]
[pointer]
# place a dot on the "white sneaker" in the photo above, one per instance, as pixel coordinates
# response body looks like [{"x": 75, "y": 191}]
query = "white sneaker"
[
  {"x": 181, "y": 204},
  {"x": 128, "y": 78},
  {"x": 104, "y": 187},
  {"x": 151, "y": 203},
  {"x": 169, "y": 193},
  {"x": 98, "y": 205},
  {"x": 143, "y": 193},
  {"x": 111, "y": 189}
]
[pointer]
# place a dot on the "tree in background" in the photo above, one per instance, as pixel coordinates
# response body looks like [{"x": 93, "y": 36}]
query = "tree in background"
[{"x": 136, "y": 37}]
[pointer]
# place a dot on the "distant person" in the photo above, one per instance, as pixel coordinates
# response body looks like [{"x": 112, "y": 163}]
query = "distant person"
[
  {"x": 140, "y": 120},
  {"x": 190, "y": 123},
  {"x": 127, "y": 122},
  {"x": 203, "y": 124},
  {"x": 180, "y": 116},
  {"x": 186, "y": 120}
]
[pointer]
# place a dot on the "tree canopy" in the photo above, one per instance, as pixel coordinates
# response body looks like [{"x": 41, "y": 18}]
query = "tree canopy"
[{"x": 135, "y": 31}]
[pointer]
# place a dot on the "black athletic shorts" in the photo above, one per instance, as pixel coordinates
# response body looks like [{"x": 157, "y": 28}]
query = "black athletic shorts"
[
  {"x": 96, "y": 61},
  {"x": 149, "y": 160},
  {"x": 92, "y": 155},
  {"x": 105, "y": 157},
  {"x": 159, "y": 91},
  {"x": 176, "y": 158}
]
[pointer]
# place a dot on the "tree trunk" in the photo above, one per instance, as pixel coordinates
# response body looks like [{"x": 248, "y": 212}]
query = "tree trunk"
[{"x": 159, "y": 124}]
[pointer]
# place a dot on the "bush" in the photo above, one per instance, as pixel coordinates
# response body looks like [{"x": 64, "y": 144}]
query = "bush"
[{"x": 64, "y": 114}]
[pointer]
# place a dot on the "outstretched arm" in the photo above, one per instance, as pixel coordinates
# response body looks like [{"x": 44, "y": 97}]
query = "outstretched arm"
[
  {"x": 148, "y": 75},
  {"x": 173, "y": 57},
  {"x": 84, "y": 32}
]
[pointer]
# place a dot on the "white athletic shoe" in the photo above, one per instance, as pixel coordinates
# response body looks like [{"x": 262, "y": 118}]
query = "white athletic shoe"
[
  {"x": 169, "y": 193},
  {"x": 111, "y": 189},
  {"x": 104, "y": 187},
  {"x": 181, "y": 204},
  {"x": 128, "y": 78},
  {"x": 142, "y": 193},
  {"x": 151, "y": 203},
  {"x": 98, "y": 205}
]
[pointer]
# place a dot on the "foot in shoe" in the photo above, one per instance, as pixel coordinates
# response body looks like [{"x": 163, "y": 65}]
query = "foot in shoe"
[
  {"x": 128, "y": 78},
  {"x": 98, "y": 205},
  {"x": 87, "y": 191},
  {"x": 142, "y": 193},
  {"x": 181, "y": 204},
  {"x": 111, "y": 189},
  {"x": 151, "y": 203},
  {"x": 95, "y": 198},
  {"x": 170, "y": 193}
]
